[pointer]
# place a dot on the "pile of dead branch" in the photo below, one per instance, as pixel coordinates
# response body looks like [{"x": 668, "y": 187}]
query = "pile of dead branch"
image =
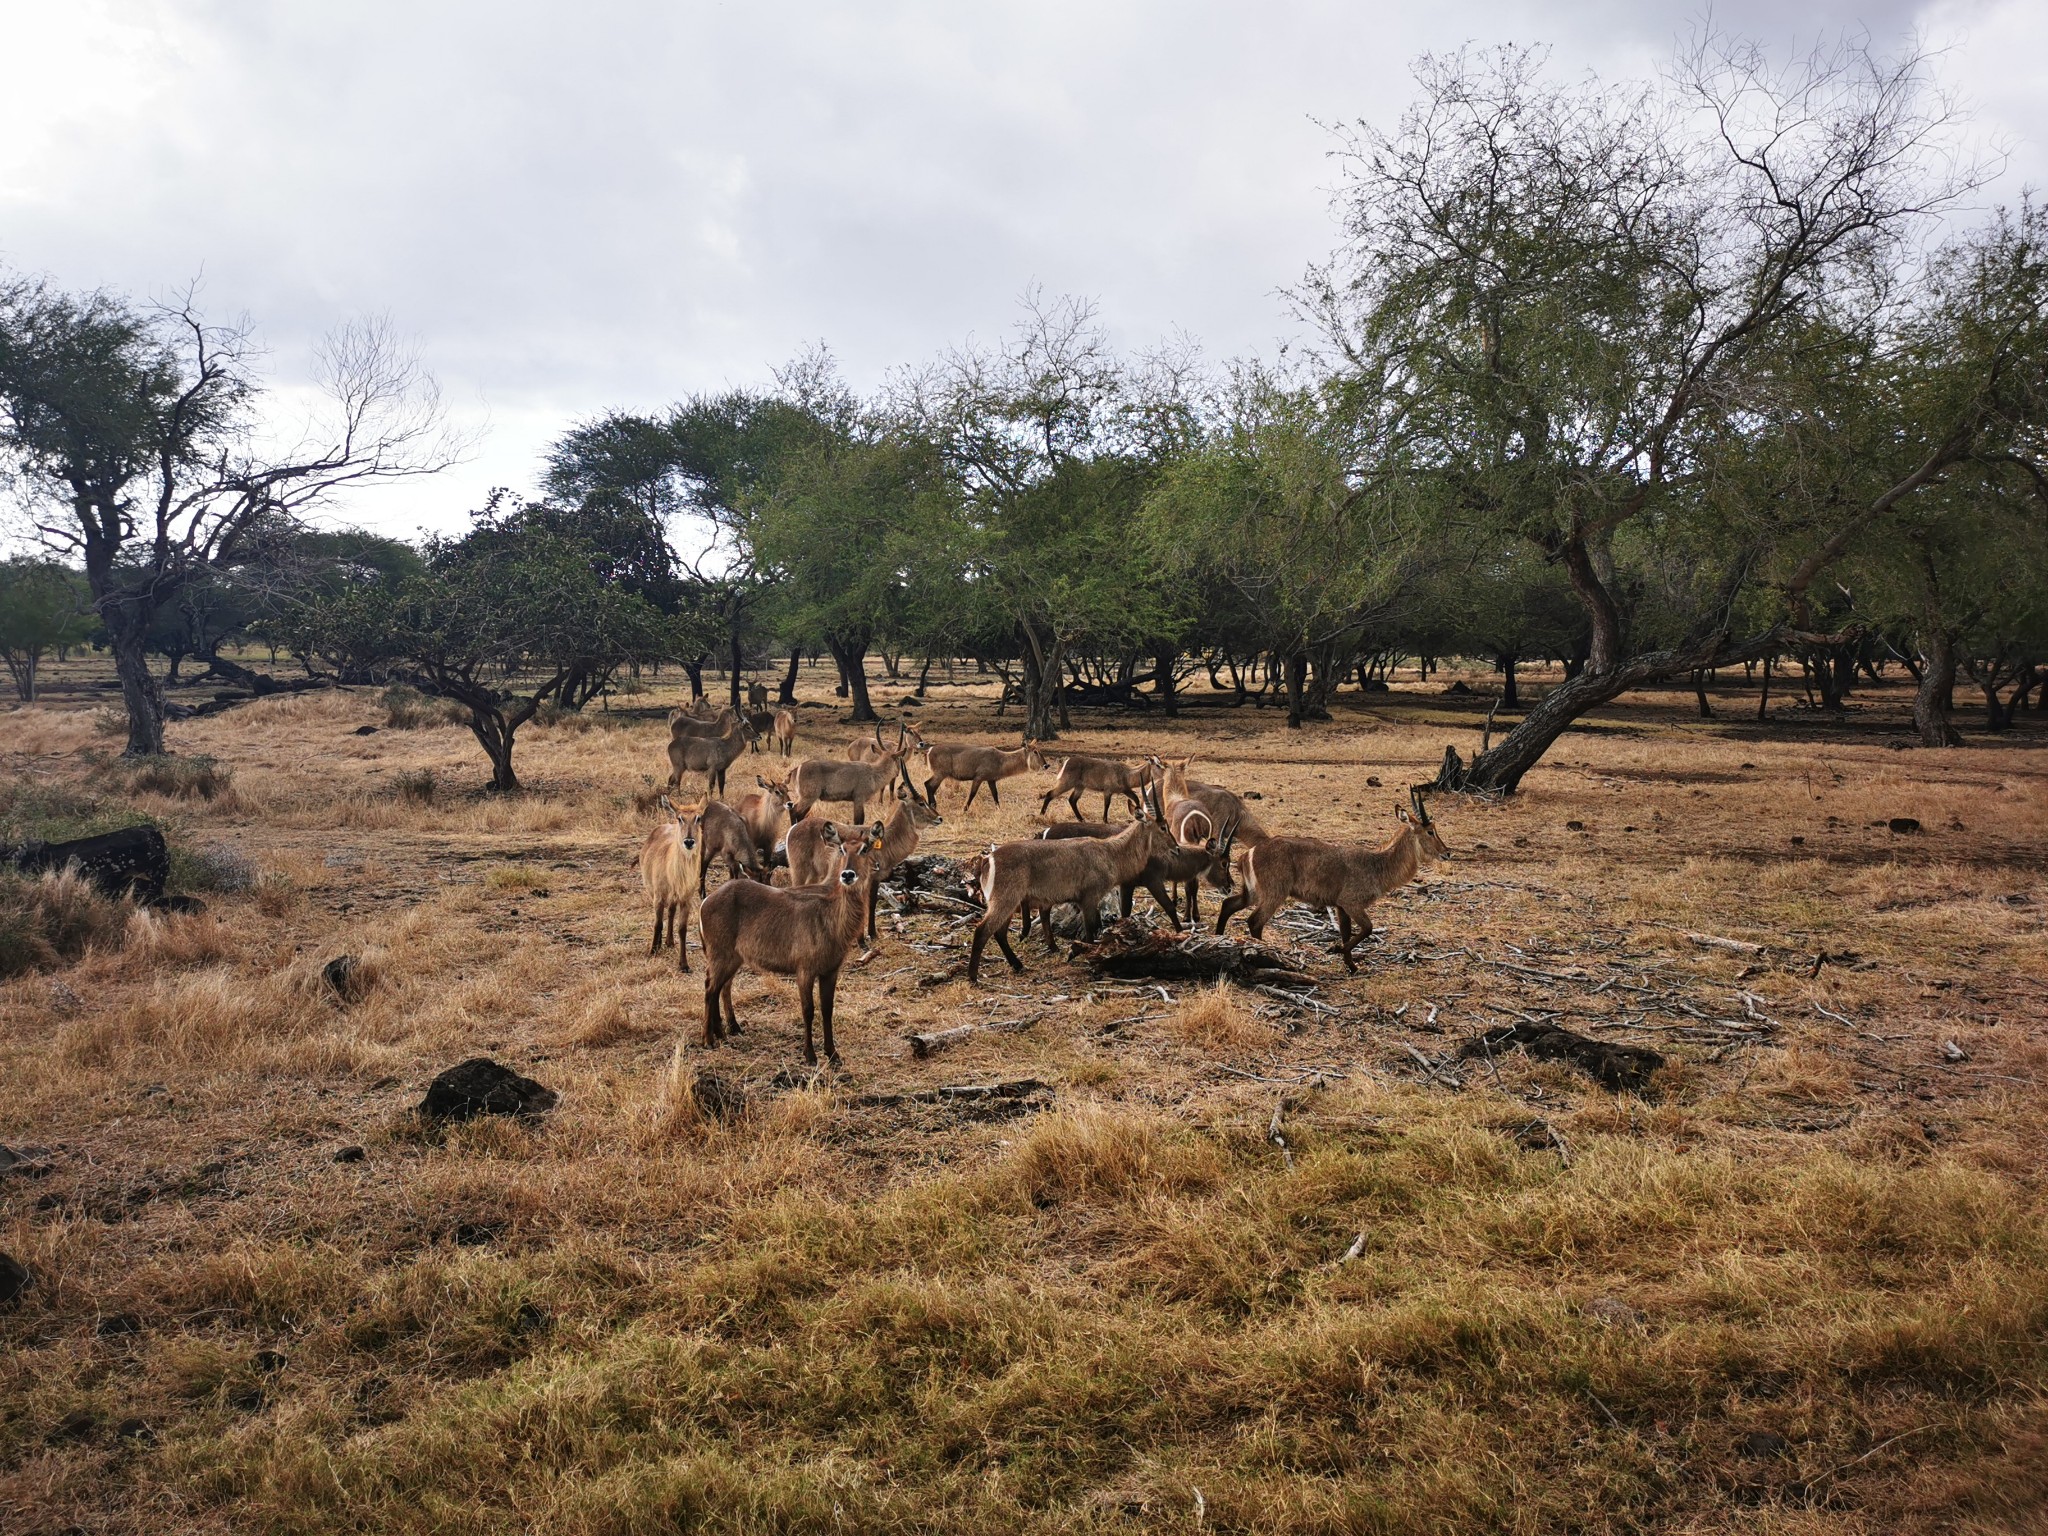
[{"x": 1130, "y": 950}]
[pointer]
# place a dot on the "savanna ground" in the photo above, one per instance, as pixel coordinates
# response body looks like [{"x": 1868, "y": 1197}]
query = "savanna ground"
[{"x": 1803, "y": 1287}]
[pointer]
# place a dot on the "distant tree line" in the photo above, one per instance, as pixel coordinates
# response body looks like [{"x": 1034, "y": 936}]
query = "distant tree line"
[{"x": 1650, "y": 381}]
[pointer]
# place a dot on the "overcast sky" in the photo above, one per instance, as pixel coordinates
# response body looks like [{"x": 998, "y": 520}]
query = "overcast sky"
[{"x": 622, "y": 202}]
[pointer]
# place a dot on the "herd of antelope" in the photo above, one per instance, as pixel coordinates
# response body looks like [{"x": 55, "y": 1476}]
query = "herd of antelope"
[{"x": 1184, "y": 834}]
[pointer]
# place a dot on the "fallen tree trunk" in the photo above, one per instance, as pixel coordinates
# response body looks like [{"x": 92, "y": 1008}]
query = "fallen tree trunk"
[
  {"x": 1129, "y": 950},
  {"x": 131, "y": 862},
  {"x": 1621, "y": 1068},
  {"x": 934, "y": 1041}
]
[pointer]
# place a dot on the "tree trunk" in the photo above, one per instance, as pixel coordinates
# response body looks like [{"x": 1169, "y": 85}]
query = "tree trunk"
[
  {"x": 1297, "y": 681},
  {"x": 1699, "y": 690},
  {"x": 140, "y": 691},
  {"x": 735, "y": 669},
  {"x": 1763, "y": 702},
  {"x": 1162, "y": 680},
  {"x": 924, "y": 674},
  {"x": 23, "y": 665},
  {"x": 1038, "y": 657},
  {"x": 788, "y": 693},
  {"x": 1997, "y": 716},
  {"x": 696, "y": 671},
  {"x": 1510, "y": 695},
  {"x": 1937, "y": 685},
  {"x": 494, "y": 734},
  {"x": 851, "y": 655}
]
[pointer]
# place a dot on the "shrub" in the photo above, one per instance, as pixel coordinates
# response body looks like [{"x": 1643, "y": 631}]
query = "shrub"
[
  {"x": 418, "y": 788},
  {"x": 407, "y": 709},
  {"x": 216, "y": 867},
  {"x": 52, "y": 919},
  {"x": 178, "y": 778}
]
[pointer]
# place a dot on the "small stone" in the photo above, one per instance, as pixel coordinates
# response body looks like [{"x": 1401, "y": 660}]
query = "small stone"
[
  {"x": 366, "y": 730},
  {"x": 480, "y": 1086},
  {"x": 1904, "y": 824},
  {"x": 137, "y": 1430},
  {"x": 345, "y": 979},
  {"x": 1575, "y": 826},
  {"x": 1611, "y": 1311},
  {"x": 1372, "y": 782},
  {"x": 351, "y": 1154},
  {"x": 14, "y": 1279}
]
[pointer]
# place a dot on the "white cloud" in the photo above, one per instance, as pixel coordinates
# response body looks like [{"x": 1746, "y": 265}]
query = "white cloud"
[{"x": 622, "y": 203}]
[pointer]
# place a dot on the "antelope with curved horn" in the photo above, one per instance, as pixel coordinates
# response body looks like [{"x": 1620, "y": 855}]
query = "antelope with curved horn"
[
  {"x": 810, "y": 854},
  {"x": 1349, "y": 877}
]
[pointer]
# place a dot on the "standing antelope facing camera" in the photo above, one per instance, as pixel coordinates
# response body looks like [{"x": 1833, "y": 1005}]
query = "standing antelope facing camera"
[
  {"x": 1106, "y": 776},
  {"x": 671, "y": 872},
  {"x": 810, "y": 854},
  {"x": 785, "y": 732},
  {"x": 757, "y": 697},
  {"x": 726, "y": 835},
  {"x": 1347, "y": 876},
  {"x": 803, "y": 932},
  {"x": 976, "y": 766},
  {"x": 1042, "y": 873},
  {"x": 767, "y": 813}
]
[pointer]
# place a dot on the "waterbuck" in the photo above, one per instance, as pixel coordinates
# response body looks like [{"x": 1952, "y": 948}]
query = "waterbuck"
[
  {"x": 785, "y": 732},
  {"x": 830, "y": 778},
  {"x": 1105, "y": 776},
  {"x": 1192, "y": 857},
  {"x": 727, "y": 836},
  {"x": 1044, "y": 873},
  {"x": 803, "y": 932},
  {"x": 976, "y": 766},
  {"x": 708, "y": 755},
  {"x": 1347, "y": 876},
  {"x": 671, "y": 873},
  {"x": 810, "y": 854},
  {"x": 1175, "y": 786},
  {"x": 766, "y": 811}
]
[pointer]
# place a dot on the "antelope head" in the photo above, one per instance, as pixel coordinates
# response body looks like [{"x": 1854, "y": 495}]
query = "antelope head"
[
  {"x": 1429, "y": 842},
  {"x": 689, "y": 819}
]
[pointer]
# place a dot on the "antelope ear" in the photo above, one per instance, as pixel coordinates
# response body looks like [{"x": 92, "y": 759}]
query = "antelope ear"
[
  {"x": 831, "y": 834},
  {"x": 1401, "y": 813}
]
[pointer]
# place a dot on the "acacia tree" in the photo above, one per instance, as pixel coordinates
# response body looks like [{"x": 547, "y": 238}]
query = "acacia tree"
[
  {"x": 43, "y": 608},
  {"x": 500, "y": 621},
  {"x": 136, "y": 431},
  {"x": 1591, "y": 315}
]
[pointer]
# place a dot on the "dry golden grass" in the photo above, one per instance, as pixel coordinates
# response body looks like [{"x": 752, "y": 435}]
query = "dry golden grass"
[{"x": 1804, "y": 1289}]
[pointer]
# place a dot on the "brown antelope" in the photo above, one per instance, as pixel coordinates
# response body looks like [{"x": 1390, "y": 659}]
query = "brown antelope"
[
  {"x": 762, "y": 723},
  {"x": 829, "y": 778},
  {"x": 682, "y": 724},
  {"x": 1347, "y": 876},
  {"x": 708, "y": 755},
  {"x": 697, "y": 710},
  {"x": 727, "y": 836},
  {"x": 766, "y": 811},
  {"x": 1046, "y": 873},
  {"x": 1105, "y": 776},
  {"x": 785, "y": 732},
  {"x": 1175, "y": 786},
  {"x": 1186, "y": 863},
  {"x": 671, "y": 869},
  {"x": 757, "y": 697},
  {"x": 810, "y": 856},
  {"x": 874, "y": 751},
  {"x": 803, "y": 932},
  {"x": 976, "y": 766}
]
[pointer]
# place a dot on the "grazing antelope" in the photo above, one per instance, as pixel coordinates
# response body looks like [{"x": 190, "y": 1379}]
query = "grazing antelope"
[
  {"x": 804, "y": 932},
  {"x": 727, "y": 836},
  {"x": 829, "y": 778},
  {"x": 1046, "y": 873},
  {"x": 1347, "y": 876},
  {"x": 1175, "y": 786},
  {"x": 708, "y": 755},
  {"x": 976, "y": 766},
  {"x": 810, "y": 856},
  {"x": 671, "y": 873},
  {"x": 785, "y": 732},
  {"x": 1190, "y": 860},
  {"x": 767, "y": 813},
  {"x": 1105, "y": 776}
]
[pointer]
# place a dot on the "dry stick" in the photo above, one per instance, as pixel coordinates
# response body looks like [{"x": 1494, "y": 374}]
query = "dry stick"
[
  {"x": 1712, "y": 941},
  {"x": 1277, "y": 1137},
  {"x": 1357, "y": 1247}
]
